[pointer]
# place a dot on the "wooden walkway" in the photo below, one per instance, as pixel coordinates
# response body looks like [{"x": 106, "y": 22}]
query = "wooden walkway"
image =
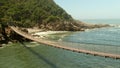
[{"x": 54, "y": 44}]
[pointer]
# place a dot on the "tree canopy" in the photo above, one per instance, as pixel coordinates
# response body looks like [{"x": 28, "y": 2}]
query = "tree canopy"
[{"x": 29, "y": 13}]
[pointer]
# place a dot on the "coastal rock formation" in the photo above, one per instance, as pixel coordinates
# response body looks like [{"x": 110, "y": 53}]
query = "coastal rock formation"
[
  {"x": 10, "y": 36},
  {"x": 44, "y": 14}
]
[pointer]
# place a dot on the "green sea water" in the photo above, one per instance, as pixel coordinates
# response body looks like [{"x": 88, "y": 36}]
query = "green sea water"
[{"x": 34, "y": 55}]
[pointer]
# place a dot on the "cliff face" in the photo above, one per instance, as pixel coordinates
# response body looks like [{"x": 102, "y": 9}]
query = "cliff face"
[{"x": 8, "y": 35}]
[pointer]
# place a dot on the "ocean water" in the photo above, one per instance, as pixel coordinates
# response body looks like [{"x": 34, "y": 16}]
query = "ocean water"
[
  {"x": 35, "y": 55},
  {"x": 41, "y": 56},
  {"x": 101, "y": 40},
  {"x": 102, "y": 21}
]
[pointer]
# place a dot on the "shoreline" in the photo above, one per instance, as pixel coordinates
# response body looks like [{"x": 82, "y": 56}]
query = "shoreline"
[
  {"x": 56, "y": 45},
  {"x": 49, "y": 32},
  {"x": 60, "y": 46},
  {"x": 42, "y": 32}
]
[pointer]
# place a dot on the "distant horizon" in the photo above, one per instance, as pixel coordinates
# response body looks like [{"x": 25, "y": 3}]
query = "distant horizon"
[
  {"x": 101, "y": 19},
  {"x": 95, "y": 9}
]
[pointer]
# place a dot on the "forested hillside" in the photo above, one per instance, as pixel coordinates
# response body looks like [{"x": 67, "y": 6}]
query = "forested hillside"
[
  {"x": 31, "y": 12},
  {"x": 44, "y": 14}
]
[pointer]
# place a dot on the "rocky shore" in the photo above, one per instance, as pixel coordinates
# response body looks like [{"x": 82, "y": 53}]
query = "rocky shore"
[{"x": 7, "y": 35}]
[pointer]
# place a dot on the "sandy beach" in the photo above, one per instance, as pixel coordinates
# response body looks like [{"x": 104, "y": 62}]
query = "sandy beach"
[{"x": 46, "y": 33}]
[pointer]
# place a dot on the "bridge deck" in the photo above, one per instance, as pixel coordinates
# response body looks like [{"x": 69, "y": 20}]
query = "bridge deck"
[{"x": 54, "y": 44}]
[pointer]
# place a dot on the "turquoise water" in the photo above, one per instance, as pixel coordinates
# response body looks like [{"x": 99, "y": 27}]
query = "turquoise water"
[
  {"x": 101, "y": 40},
  {"x": 40, "y": 56},
  {"x": 35, "y": 55},
  {"x": 102, "y": 21}
]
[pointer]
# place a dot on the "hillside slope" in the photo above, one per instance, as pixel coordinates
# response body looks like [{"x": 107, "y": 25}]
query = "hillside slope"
[
  {"x": 31, "y": 12},
  {"x": 45, "y": 14}
]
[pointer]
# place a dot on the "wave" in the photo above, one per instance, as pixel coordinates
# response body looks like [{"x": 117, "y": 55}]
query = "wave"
[{"x": 115, "y": 25}]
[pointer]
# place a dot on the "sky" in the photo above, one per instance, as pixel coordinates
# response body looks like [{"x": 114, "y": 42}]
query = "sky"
[{"x": 91, "y": 9}]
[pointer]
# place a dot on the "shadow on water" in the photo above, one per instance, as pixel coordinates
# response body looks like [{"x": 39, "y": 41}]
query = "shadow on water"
[{"x": 40, "y": 56}]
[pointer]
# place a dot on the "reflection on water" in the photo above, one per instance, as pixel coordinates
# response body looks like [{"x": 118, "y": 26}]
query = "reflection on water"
[
  {"x": 20, "y": 56},
  {"x": 35, "y": 55}
]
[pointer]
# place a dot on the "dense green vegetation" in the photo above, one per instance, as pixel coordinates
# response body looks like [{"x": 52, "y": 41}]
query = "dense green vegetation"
[
  {"x": 45, "y": 14},
  {"x": 29, "y": 13}
]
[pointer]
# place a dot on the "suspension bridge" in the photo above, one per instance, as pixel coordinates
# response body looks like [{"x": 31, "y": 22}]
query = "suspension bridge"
[{"x": 56, "y": 45}]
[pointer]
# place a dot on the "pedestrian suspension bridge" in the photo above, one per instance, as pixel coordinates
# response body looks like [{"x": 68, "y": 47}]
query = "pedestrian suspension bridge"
[{"x": 56, "y": 45}]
